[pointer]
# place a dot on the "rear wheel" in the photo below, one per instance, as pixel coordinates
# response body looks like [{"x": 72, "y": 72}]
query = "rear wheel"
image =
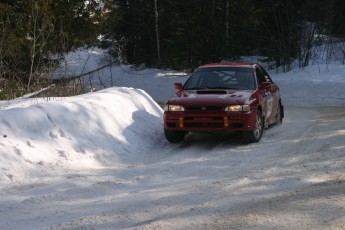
[
  {"x": 255, "y": 135},
  {"x": 174, "y": 136}
]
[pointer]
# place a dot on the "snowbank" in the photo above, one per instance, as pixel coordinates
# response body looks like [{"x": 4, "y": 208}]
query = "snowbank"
[
  {"x": 108, "y": 127},
  {"x": 317, "y": 85}
]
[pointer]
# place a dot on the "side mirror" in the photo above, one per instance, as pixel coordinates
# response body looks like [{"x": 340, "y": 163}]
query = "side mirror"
[
  {"x": 178, "y": 86},
  {"x": 266, "y": 86}
]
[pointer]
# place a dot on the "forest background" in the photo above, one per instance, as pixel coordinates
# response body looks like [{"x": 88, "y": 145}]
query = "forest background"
[{"x": 176, "y": 34}]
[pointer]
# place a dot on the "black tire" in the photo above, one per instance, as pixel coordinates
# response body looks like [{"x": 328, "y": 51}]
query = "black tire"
[
  {"x": 252, "y": 136},
  {"x": 174, "y": 136}
]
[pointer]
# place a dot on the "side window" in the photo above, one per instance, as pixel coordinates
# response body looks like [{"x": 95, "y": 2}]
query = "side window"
[
  {"x": 260, "y": 76},
  {"x": 266, "y": 75}
]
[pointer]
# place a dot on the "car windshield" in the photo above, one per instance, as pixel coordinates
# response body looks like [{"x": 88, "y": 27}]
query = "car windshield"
[{"x": 240, "y": 78}]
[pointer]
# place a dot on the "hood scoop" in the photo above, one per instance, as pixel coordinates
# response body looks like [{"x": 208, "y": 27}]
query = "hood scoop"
[{"x": 211, "y": 92}]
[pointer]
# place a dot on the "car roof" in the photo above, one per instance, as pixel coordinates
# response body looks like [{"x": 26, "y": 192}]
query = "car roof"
[{"x": 229, "y": 64}]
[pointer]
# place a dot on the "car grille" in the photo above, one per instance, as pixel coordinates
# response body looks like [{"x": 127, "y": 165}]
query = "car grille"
[{"x": 204, "y": 108}]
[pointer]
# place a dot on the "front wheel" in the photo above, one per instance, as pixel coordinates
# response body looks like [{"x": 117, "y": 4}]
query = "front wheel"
[
  {"x": 255, "y": 135},
  {"x": 174, "y": 136}
]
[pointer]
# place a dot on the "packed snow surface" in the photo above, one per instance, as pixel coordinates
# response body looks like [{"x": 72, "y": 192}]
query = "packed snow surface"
[{"x": 100, "y": 160}]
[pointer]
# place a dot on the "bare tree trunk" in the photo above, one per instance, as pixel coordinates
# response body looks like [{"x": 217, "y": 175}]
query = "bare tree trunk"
[
  {"x": 307, "y": 41},
  {"x": 227, "y": 23},
  {"x": 34, "y": 39},
  {"x": 157, "y": 35},
  {"x": 39, "y": 34}
]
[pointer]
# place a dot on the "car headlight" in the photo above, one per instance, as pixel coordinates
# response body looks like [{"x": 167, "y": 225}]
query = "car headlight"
[
  {"x": 173, "y": 108},
  {"x": 237, "y": 108}
]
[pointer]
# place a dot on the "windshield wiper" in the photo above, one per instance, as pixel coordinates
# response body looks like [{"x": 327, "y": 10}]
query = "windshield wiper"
[
  {"x": 206, "y": 88},
  {"x": 195, "y": 88},
  {"x": 220, "y": 87}
]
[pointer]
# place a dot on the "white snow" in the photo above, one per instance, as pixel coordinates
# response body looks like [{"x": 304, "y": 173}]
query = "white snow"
[{"x": 100, "y": 160}]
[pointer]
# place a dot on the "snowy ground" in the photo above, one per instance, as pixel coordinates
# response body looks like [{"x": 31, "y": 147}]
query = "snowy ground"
[{"x": 100, "y": 161}]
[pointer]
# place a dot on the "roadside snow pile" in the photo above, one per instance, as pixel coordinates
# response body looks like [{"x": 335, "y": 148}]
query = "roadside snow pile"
[
  {"x": 313, "y": 86},
  {"x": 94, "y": 130}
]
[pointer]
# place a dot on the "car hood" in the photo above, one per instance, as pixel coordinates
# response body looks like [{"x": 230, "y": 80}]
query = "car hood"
[{"x": 210, "y": 97}]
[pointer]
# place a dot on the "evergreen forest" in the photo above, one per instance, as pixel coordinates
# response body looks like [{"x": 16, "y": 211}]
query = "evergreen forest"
[{"x": 177, "y": 34}]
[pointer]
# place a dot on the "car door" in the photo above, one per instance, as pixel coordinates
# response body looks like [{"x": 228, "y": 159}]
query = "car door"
[{"x": 269, "y": 93}]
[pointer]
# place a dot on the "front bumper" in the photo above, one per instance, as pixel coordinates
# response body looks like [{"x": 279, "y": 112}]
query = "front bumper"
[{"x": 209, "y": 121}]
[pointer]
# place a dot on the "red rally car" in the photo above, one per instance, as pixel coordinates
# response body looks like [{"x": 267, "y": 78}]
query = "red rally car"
[{"x": 224, "y": 97}]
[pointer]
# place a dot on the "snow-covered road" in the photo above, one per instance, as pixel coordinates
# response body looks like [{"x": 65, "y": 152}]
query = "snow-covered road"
[
  {"x": 101, "y": 161},
  {"x": 292, "y": 179}
]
